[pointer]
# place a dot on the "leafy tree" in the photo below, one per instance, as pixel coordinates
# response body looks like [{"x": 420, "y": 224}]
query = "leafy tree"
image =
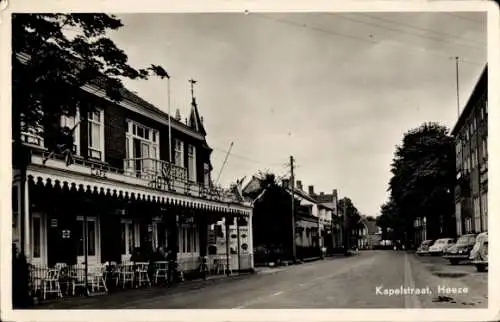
[
  {"x": 53, "y": 55},
  {"x": 423, "y": 180},
  {"x": 350, "y": 219}
]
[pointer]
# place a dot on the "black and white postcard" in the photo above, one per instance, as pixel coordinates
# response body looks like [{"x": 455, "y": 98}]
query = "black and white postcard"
[{"x": 209, "y": 160}]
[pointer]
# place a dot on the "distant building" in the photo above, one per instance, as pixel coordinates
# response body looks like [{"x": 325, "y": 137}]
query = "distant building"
[
  {"x": 374, "y": 234},
  {"x": 471, "y": 132},
  {"x": 329, "y": 220}
]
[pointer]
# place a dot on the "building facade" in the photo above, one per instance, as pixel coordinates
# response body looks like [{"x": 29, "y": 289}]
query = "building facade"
[
  {"x": 328, "y": 219},
  {"x": 125, "y": 191},
  {"x": 471, "y": 147}
]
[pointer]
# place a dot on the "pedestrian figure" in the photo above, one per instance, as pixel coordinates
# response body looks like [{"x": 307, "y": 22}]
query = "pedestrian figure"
[{"x": 63, "y": 144}]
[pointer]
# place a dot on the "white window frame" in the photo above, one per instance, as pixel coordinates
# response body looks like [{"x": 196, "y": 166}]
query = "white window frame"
[
  {"x": 206, "y": 174},
  {"x": 156, "y": 235},
  {"x": 484, "y": 207},
  {"x": 128, "y": 252},
  {"x": 458, "y": 217},
  {"x": 192, "y": 162},
  {"x": 101, "y": 124},
  {"x": 30, "y": 136},
  {"x": 153, "y": 142},
  {"x": 477, "y": 214},
  {"x": 194, "y": 240},
  {"x": 94, "y": 259},
  {"x": 76, "y": 134},
  {"x": 42, "y": 260},
  {"x": 484, "y": 148},
  {"x": 179, "y": 150}
]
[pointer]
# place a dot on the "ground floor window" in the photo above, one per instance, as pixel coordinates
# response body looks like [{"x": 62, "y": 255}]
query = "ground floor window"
[
  {"x": 127, "y": 237},
  {"x": 484, "y": 208},
  {"x": 188, "y": 239},
  {"x": 468, "y": 225},
  {"x": 161, "y": 234},
  {"x": 458, "y": 218},
  {"x": 477, "y": 215}
]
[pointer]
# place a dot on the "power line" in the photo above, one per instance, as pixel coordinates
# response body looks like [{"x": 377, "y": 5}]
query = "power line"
[
  {"x": 398, "y": 44},
  {"x": 403, "y": 31},
  {"x": 247, "y": 159},
  {"x": 423, "y": 29}
]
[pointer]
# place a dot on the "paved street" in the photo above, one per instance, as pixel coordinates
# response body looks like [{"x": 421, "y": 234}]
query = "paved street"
[{"x": 333, "y": 283}]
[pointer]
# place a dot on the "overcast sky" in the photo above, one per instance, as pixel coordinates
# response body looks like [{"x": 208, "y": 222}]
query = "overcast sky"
[{"x": 335, "y": 90}]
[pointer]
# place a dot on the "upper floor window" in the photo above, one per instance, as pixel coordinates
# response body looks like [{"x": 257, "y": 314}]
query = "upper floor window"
[
  {"x": 142, "y": 146},
  {"x": 96, "y": 134},
  {"x": 71, "y": 121},
  {"x": 31, "y": 134},
  {"x": 192, "y": 162},
  {"x": 206, "y": 174},
  {"x": 179, "y": 153},
  {"x": 484, "y": 149}
]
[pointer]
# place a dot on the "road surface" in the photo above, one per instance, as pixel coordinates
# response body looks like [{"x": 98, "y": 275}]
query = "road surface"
[{"x": 373, "y": 279}]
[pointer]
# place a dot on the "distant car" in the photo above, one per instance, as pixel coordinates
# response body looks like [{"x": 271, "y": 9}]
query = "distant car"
[
  {"x": 423, "y": 249},
  {"x": 461, "y": 250},
  {"x": 440, "y": 246},
  {"x": 479, "y": 254}
]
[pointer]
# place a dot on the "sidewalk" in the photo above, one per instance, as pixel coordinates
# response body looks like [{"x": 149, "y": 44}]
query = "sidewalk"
[{"x": 129, "y": 295}]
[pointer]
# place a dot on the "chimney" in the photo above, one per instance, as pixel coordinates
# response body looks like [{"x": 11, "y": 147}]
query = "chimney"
[
  {"x": 201, "y": 119},
  {"x": 322, "y": 194},
  {"x": 299, "y": 184},
  {"x": 311, "y": 190},
  {"x": 177, "y": 115},
  {"x": 285, "y": 183}
]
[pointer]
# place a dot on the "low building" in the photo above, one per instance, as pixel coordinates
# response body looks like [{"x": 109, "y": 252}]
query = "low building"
[
  {"x": 471, "y": 148},
  {"x": 273, "y": 227}
]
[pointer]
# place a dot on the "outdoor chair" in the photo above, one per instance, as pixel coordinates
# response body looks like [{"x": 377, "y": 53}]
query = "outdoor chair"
[
  {"x": 126, "y": 274},
  {"x": 142, "y": 274},
  {"x": 50, "y": 283},
  {"x": 38, "y": 274},
  {"x": 77, "y": 278},
  {"x": 160, "y": 270},
  {"x": 96, "y": 278}
]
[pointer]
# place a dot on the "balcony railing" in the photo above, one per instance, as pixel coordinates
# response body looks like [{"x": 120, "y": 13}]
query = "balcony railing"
[
  {"x": 169, "y": 177},
  {"x": 156, "y": 174}
]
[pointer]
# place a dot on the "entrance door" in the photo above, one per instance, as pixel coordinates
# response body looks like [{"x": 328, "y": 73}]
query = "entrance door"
[
  {"x": 90, "y": 242},
  {"x": 61, "y": 239}
]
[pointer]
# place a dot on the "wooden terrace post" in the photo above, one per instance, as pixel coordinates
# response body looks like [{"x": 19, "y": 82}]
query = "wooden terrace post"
[
  {"x": 227, "y": 223},
  {"x": 238, "y": 242}
]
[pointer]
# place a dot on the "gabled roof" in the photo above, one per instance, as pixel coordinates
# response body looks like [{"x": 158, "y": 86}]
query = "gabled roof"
[
  {"x": 127, "y": 95},
  {"x": 327, "y": 205},
  {"x": 301, "y": 194}
]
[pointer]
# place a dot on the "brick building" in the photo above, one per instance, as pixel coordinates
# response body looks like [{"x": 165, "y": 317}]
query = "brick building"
[
  {"x": 122, "y": 192},
  {"x": 471, "y": 133}
]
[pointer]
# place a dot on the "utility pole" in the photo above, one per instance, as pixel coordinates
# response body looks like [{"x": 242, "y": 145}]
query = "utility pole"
[
  {"x": 294, "y": 248},
  {"x": 346, "y": 228},
  {"x": 458, "y": 94}
]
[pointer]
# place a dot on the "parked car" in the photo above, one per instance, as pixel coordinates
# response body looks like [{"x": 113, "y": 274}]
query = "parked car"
[
  {"x": 479, "y": 254},
  {"x": 440, "y": 246},
  {"x": 423, "y": 249},
  {"x": 461, "y": 250}
]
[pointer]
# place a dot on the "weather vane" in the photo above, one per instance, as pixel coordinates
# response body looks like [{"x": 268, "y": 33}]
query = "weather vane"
[{"x": 192, "y": 81}]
